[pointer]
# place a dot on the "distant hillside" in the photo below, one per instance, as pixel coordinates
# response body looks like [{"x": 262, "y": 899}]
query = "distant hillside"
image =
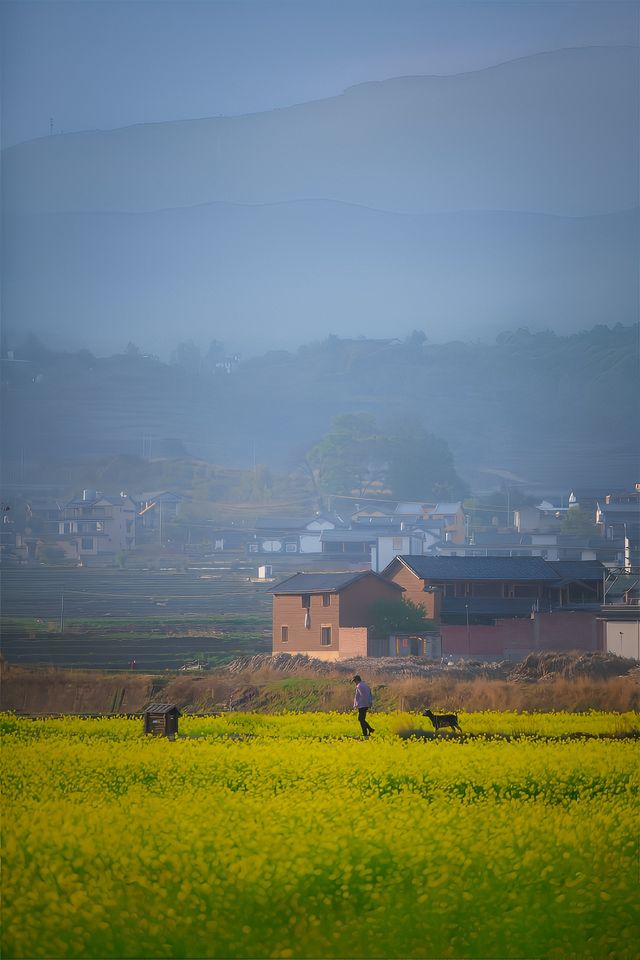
[
  {"x": 551, "y": 409},
  {"x": 459, "y": 205},
  {"x": 537, "y": 134}
]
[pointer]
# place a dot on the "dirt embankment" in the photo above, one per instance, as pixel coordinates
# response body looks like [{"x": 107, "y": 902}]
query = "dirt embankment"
[{"x": 546, "y": 681}]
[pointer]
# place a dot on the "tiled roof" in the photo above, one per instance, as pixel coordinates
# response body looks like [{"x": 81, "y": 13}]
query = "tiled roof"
[
  {"x": 161, "y": 708},
  {"x": 481, "y": 568},
  {"x": 578, "y": 569},
  {"x": 320, "y": 582}
]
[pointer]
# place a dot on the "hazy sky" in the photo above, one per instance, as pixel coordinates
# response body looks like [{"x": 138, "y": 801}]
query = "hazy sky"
[{"x": 108, "y": 63}]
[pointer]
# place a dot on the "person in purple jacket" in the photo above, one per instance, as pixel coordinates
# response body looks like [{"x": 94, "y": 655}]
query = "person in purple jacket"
[{"x": 361, "y": 702}]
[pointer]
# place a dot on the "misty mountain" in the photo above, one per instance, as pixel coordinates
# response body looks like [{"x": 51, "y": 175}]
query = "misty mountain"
[
  {"x": 550, "y": 133},
  {"x": 276, "y": 274},
  {"x": 459, "y": 205}
]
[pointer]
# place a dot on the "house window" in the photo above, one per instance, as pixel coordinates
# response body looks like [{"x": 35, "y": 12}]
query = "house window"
[
  {"x": 326, "y": 599},
  {"x": 397, "y": 543},
  {"x": 87, "y": 543},
  {"x": 306, "y": 600},
  {"x": 325, "y": 636},
  {"x": 284, "y": 634},
  {"x": 291, "y": 548},
  {"x": 253, "y": 548}
]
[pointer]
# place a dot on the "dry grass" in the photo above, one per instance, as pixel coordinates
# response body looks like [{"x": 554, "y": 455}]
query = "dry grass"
[
  {"x": 53, "y": 690},
  {"x": 583, "y": 693}
]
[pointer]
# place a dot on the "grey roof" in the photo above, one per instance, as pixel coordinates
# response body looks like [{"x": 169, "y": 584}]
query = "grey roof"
[
  {"x": 365, "y": 535},
  {"x": 632, "y": 508},
  {"x": 321, "y": 582},
  {"x": 162, "y": 708},
  {"x": 480, "y": 568},
  {"x": 281, "y": 523},
  {"x": 573, "y": 570}
]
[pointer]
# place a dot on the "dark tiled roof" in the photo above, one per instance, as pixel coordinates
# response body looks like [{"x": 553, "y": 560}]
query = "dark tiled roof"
[
  {"x": 481, "y": 568},
  {"x": 281, "y": 523},
  {"x": 320, "y": 582},
  {"x": 161, "y": 708},
  {"x": 364, "y": 535},
  {"x": 573, "y": 570}
]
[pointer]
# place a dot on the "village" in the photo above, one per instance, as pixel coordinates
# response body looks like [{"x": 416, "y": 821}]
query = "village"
[{"x": 546, "y": 577}]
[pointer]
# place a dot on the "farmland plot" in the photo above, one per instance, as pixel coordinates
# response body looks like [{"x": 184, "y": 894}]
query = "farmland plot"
[{"x": 288, "y": 836}]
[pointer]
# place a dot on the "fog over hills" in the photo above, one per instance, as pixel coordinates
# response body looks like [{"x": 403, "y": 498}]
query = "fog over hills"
[
  {"x": 288, "y": 272},
  {"x": 459, "y": 205}
]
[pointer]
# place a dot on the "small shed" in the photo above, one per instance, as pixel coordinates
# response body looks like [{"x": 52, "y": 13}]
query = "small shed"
[{"x": 161, "y": 719}]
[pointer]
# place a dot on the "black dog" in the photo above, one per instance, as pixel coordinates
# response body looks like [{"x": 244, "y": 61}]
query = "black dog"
[{"x": 443, "y": 720}]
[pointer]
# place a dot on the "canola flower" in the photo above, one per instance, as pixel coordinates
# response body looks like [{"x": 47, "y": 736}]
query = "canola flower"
[{"x": 287, "y": 837}]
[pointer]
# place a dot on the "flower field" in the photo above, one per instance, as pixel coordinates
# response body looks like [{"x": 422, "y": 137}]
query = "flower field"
[{"x": 288, "y": 836}]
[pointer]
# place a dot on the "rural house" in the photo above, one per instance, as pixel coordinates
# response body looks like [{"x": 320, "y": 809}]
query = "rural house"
[
  {"x": 505, "y": 606},
  {"x": 328, "y": 615},
  {"x": 94, "y": 525},
  {"x": 490, "y": 587},
  {"x": 291, "y": 535}
]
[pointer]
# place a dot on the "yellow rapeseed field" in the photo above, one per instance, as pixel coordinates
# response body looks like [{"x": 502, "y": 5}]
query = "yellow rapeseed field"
[{"x": 259, "y": 836}]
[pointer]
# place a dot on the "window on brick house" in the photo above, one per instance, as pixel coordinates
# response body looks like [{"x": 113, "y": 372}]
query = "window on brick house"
[
  {"x": 326, "y": 599},
  {"x": 325, "y": 636},
  {"x": 306, "y": 600},
  {"x": 284, "y": 634}
]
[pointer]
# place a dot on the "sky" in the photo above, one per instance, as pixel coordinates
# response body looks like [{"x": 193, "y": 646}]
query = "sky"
[{"x": 70, "y": 66}]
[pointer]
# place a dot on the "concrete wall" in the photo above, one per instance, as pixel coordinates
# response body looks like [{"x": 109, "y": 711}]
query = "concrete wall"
[{"x": 623, "y": 638}]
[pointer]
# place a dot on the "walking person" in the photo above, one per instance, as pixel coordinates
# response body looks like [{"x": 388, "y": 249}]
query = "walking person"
[{"x": 362, "y": 701}]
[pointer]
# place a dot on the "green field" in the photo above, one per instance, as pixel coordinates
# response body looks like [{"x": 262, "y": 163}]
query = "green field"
[{"x": 289, "y": 836}]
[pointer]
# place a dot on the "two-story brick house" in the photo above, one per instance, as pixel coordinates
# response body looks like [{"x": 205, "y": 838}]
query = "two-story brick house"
[{"x": 328, "y": 615}]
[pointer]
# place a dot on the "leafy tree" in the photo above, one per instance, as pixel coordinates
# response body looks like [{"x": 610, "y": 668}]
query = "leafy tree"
[
  {"x": 399, "y": 616},
  {"x": 578, "y": 523},
  {"x": 355, "y": 453},
  {"x": 421, "y": 465},
  {"x": 350, "y": 456}
]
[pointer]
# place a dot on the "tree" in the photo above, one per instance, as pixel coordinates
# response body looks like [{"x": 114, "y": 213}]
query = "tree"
[
  {"x": 398, "y": 616},
  {"x": 413, "y": 463},
  {"x": 350, "y": 456},
  {"x": 421, "y": 465},
  {"x": 578, "y": 523}
]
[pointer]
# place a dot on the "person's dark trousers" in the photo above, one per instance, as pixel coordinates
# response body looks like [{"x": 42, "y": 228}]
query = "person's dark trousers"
[{"x": 362, "y": 717}]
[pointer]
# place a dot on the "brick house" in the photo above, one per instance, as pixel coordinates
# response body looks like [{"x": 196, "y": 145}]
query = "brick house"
[
  {"x": 327, "y": 615},
  {"x": 505, "y": 606},
  {"x": 484, "y": 588}
]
